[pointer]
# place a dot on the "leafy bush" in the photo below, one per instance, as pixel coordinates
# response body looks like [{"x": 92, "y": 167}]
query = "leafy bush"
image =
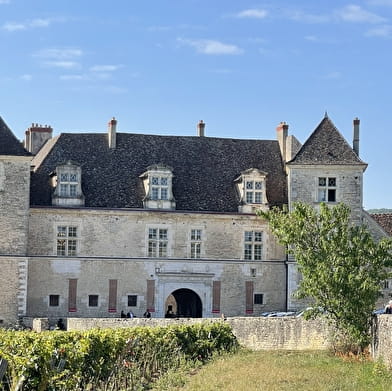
[{"x": 56, "y": 360}]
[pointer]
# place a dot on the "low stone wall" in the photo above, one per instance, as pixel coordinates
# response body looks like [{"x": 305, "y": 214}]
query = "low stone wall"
[
  {"x": 254, "y": 333},
  {"x": 382, "y": 339}
]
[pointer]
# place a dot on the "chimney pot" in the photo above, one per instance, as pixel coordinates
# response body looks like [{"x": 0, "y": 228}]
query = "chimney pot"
[
  {"x": 112, "y": 124},
  {"x": 200, "y": 128},
  {"x": 356, "y": 123}
]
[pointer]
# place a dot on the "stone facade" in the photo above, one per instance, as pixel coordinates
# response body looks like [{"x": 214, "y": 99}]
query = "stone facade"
[{"x": 91, "y": 227}]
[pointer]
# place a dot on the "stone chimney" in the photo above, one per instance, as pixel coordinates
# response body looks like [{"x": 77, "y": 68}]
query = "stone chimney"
[
  {"x": 356, "y": 136},
  {"x": 281, "y": 134},
  {"x": 112, "y": 124},
  {"x": 36, "y": 136},
  {"x": 200, "y": 128}
]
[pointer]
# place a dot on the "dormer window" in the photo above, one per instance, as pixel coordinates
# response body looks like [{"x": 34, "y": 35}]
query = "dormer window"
[
  {"x": 251, "y": 189},
  {"x": 157, "y": 182},
  {"x": 67, "y": 183}
]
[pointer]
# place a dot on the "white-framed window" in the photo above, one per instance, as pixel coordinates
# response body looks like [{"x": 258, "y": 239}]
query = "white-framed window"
[
  {"x": 159, "y": 187},
  {"x": 67, "y": 240},
  {"x": 68, "y": 183},
  {"x": 253, "y": 245},
  {"x": 254, "y": 191},
  {"x": 196, "y": 242},
  {"x": 157, "y": 183},
  {"x": 385, "y": 284},
  {"x": 158, "y": 241},
  {"x": 326, "y": 189}
]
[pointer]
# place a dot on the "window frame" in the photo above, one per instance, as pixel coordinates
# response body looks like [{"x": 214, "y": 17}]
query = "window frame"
[
  {"x": 157, "y": 242},
  {"x": 329, "y": 188},
  {"x": 69, "y": 234},
  {"x": 257, "y": 297},
  {"x": 91, "y": 301},
  {"x": 54, "y": 300},
  {"x": 195, "y": 243},
  {"x": 253, "y": 248},
  {"x": 131, "y": 299}
]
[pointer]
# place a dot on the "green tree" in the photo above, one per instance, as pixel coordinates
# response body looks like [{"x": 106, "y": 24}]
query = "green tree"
[{"x": 342, "y": 266}]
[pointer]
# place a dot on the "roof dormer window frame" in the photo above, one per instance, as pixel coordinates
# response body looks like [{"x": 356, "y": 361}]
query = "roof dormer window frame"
[
  {"x": 157, "y": 183},
  {"x": 251, "y": 188},
  {"x": 67, "y": 184}
]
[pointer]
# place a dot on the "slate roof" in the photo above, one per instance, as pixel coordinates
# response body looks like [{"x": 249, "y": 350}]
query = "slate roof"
[
  {"x": 9, "y": 144},
  {"x": 326, "y": 146},
  {"x": 384, "y": 220},
  {"x": 204, "y": 169}
]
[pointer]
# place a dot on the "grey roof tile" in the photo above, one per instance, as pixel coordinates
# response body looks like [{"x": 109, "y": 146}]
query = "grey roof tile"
[
  {"x": 9, "y": 144},
  {"x": 204, "y": 169},
  {"x": 326, "y": 146}
]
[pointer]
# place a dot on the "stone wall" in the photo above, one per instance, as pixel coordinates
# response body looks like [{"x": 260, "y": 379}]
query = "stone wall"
[
  {"x": 261, "y": 333},
  {"x": 382, "y": 339}
]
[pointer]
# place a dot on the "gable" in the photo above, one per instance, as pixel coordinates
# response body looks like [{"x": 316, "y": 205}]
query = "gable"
[{"x": 326, "y": 146}]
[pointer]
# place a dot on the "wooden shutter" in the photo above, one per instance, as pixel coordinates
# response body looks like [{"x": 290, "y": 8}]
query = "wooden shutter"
[
  {"x": 151, "y": 295},
  {"x": 72, "y": 290},
  {"x": 216, "y": 296},
  {"x": 112, "y": 295},
  {"x": 249, "y": 297}
]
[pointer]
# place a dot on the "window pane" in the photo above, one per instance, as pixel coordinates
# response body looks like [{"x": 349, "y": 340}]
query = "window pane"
[
  {"x": 72, "y": 232},
  {"x": 163, "y": 234},
  {"x": 322, "y": 182},
  {"x": 63, "y": 190},
  {"x": 196, "y": 234},
  {"x": 162, "y": 249},
  {"x": 132, "y": 300},
  {"x": 163, "y": 193},
  {"x": 154, "y": 193},
  {"x": 54, "y": 300},
  {"x": 155, "y": 180},
  {"x": 93, "y": 300},
  {"x": 164, "y": 181},
  {"x": 72, "y": 177},
  {"x": 71, "y": 247},
  {"x": 152, "y": 233},
  {"x": 248, "y": 251},
  {"x": 258, "y": 185},
  {"x": 258, "y": 250},
  {"x": 195, "y": 250},
  {"x": 248, "y": 236},
  {"x": 61, "y": 231},
  {"x": 332, "y": 182},
  {"x": 258, "y": 197},
  {"x": 322, "y": 195},
  {"x": 331, "y": 195},
  {"x": 249, "y": 197},
  {"x": 152, "y": 249},
  {"x": 258, "y": 236},
  {"x": 64, "y": 177},
  {"x": 258, "y": 298},
  {"x": 72, "y": 190}
]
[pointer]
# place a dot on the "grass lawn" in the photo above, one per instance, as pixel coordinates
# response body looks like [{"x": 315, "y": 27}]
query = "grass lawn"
[{"x": 280, "y": 370}]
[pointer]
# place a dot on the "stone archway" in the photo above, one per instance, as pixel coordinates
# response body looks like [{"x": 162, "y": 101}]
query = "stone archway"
[{"x": 183, "y": 303}]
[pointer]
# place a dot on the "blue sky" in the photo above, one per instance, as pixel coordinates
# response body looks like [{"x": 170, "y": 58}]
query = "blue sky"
[{"x": 241, "y": 66}]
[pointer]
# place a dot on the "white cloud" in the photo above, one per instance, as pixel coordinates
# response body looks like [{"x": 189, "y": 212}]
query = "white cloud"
[
  {"x": 252, "y": 13},
  {"x": 4, "y": 1},
  {"x": 26, "y": 77},
  {"x": 62, "y": 64},
  {"x": 301, "y": 16},
  {"x": 207, "y": 46},
  {"x": 380, "y": 31},
  {"x": 356, "y": 14},
  {"x": 40, "y": 23},
  {"x": 11, "y": 26},
  {"x": 73, "y": 77},
  {"x": 59, "y": 54},
  {"x": 311, "y": 38},
  {"x": 105, "y": 68}
]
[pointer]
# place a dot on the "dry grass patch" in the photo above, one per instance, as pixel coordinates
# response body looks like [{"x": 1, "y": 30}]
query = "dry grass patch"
[{"x": 248, "y": 371}]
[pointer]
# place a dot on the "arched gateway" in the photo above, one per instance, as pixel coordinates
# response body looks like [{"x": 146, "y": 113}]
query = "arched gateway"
[{"x": 183, "y": 303}]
